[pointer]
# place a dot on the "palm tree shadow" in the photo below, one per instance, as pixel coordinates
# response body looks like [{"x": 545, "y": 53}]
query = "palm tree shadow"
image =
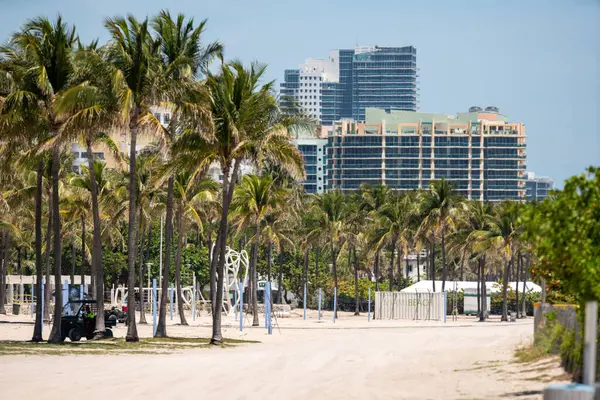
[{"x": 522, "y": 393}]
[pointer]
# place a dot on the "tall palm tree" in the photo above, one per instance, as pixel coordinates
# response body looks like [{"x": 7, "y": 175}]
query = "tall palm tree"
[
  {"x": 440, "y": 207},
  {"x": 331, "y": 210},
  {"x": 502, "y": 238},
  {"x": 182, "y": 60},
  {"x": 253, "y": 200},
  {"x": 131, "y": 59},
  {"x": 42, "y": 54},
  {"x": 247, "y": 125},
  {"x": 472, "y": 230},
  {"x": 372, "y": 199},
  {"x": 391, "y": 223},
  {"x": 190, "y": 189}
]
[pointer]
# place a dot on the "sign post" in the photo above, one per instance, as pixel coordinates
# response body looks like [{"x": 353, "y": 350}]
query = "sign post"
[
  {"x": 154, "y": 307},
  {"x": 320, "y": 294},
  {"x": 369, "y": 307}
]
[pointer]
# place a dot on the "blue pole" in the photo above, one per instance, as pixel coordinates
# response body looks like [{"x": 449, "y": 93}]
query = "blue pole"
[
  {"x": 334, "y": 303},
  {"x": 269, "y": 326},
  {"x": 369, "y": 307},
  {"x": 81, "y": 289},
  {"x": 304, "y": 301},
  {"x": 66, "y": 295},
  {"x": 319, "y": 316},
  {"x": 32, "y": 298},
  {"x": 154, "y": 307},
  {"x": 445, "y": 306},
  {"x": 265, "y": 300},
  {"x": 194, "y": 299},
  {"x": 171, "y": 298},
  {"x": 241, "y": 305}
]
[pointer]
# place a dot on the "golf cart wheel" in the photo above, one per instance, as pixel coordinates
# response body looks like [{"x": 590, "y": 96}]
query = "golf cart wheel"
[
  {"x": 108, "y": 333},
  {"x": 75, "y": 335}
]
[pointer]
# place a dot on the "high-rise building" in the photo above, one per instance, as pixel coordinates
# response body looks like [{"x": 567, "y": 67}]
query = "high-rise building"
[
  {"x": 348, "y": 81},
  {"x": 479, "y": 152},
  {"x": 538, "y": 187},
  {"x": 314, "y": 151}
]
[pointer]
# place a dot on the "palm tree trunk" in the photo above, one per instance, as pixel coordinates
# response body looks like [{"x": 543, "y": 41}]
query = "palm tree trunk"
[
  {"x": 217, "y": 336},
  {"x": 72, "y": 263},
  {"x": 356, "y": 296},
  {"x": 406, "y": 264},
  {"x": 462, "y": 265},
  {"x": 377, "y": 271},
  {"x": 518, "y": 269},
  {"x": 3, "y": 269},
  {"x": 432, "y": 262},
  {"x": 305, "y": 273},
  {"x": 97, "y": 248},
  {"x": 56, "y": 335},
  {"x": 132, "y": 334},
  {"x": 254, "y": 274},
  {"x": 400, "y": 274},
  {"x": 317, "y": 266},
  {"x": 507, "y": 267},
  {"x": 478, "y": 286},
  {"x": 47, "y": 290},
  {"x": 83, "y": 253},
  {"x": 335, "y": 277},
  {"x": 269, "y": 257},
  {"x": 161, "y": 327},
  {"x": 37, "y": 330},
  {"x": 141, "y": 270},
  {"x": 280, "y": 278},
  {"x": 418, "y": 266},
  {"x": 214, "y": 260},
  {"x": 391, "y": 271},
  {"x": 483, "y": 314},
  {"x": 444, "y": 266},
  {"x": 180, "y": 232}
]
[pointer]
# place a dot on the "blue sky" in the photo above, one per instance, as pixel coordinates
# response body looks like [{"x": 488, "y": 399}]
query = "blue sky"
[{"x": 538, "y": 61}]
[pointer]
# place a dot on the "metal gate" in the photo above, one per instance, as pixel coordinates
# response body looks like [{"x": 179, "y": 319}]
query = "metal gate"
[{"x": 405, "y": 305}]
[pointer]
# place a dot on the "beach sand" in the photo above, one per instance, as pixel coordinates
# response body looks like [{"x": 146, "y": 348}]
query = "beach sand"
[{"x": 348, "y": 359}]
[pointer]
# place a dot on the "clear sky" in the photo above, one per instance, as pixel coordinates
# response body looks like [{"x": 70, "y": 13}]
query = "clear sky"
[{"x": 537, "y": 60}]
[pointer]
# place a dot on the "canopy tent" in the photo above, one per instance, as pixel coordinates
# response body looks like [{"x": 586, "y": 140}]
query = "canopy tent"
[{"x": 492, "y": 287}]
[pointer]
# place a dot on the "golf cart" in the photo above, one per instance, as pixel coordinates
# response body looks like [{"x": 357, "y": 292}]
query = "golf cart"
[{"x": 79, "y": 320}]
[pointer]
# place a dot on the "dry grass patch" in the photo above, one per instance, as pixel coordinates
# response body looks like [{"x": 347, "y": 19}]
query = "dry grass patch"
[{"x": 112, "y": 346}]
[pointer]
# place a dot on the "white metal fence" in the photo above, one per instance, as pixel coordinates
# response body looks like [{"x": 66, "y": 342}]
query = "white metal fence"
[{"x": 406, "y": 305}]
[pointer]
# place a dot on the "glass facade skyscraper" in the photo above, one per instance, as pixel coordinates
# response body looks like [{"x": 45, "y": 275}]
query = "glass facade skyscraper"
[
  {"x": 480, "y": 153},
  {"x": 384, "y": 77},
  {"x": 348, "y": 81}
]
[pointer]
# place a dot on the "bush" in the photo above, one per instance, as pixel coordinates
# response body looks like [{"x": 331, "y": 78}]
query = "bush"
[{"x": 511, "y": 296}]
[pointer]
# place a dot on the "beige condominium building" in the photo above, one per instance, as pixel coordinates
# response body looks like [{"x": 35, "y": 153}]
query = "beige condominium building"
[{"x": 480, "y": 152}]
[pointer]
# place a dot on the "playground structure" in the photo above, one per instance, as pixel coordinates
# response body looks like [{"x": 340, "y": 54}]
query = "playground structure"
[
  {"x": 20, "y": 290},
  {"x": 235, "y": 269}
]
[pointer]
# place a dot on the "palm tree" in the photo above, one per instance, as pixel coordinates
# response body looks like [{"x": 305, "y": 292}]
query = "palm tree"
[
  {"x": 391, "y": 223},
  {"x": 190, "y": 188},
  {"x": 372, "y": 199},
  {"x": 440, "y": 207},
  {"x": 502, "y": 239},
  {"x": 247, "y": 125},
  {"x": 131, "y": 61},
  {"x": 331, "y": 210},
  {"x": 472, "y": 229},
  {"x": 182, "y": 59},
  {"x": 150, "y": 201},
  {"x": 253, "y": 200},
  {"x": 42, "y": 54}
]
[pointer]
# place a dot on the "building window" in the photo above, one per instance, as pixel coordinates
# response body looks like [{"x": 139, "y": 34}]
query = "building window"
[{"x": 167, "y": 118}]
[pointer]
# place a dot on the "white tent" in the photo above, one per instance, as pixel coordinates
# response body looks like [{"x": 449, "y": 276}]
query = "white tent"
[{"x": 492, "y": 287}]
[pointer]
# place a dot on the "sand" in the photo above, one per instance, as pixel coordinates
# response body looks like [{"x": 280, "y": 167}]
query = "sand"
[{"x": 351, "y": 359}]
